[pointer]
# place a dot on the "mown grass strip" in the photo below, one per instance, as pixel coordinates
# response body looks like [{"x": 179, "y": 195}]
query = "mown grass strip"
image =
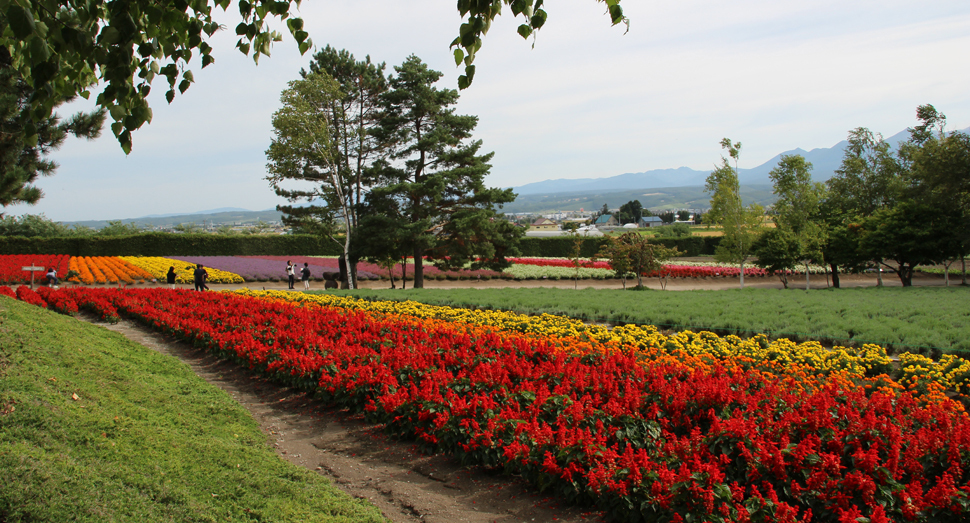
[
  {"x": 916, "y": 319},
  {"x": 94, "y": 427}
]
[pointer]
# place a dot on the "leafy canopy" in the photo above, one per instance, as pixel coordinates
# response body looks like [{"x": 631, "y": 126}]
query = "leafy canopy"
[{"x": 63, "y": 48}]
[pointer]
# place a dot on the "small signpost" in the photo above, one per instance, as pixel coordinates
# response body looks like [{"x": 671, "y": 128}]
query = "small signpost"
[{"x": 32, "y": 268}]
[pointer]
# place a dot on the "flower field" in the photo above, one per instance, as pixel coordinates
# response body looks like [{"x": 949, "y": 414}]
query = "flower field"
[
  {"x": 686, "y": 427},
  {"x": 158, "y": 268},
  {"x": 11, "y": 266},
  {"x": 239, "y": 269}
]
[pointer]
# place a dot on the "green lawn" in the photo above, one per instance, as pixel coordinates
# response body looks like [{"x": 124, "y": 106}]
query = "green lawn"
[
  {"x": 144, "y": 439},
  {"x": 915, "y": 319}
]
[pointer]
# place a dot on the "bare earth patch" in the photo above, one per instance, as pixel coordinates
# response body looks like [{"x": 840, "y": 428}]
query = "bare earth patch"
[{"x": 406, "y": 485}]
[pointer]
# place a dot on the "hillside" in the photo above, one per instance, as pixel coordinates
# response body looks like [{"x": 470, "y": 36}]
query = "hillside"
[
  {"x": 209, "y": 219},
  {"x": 824, "y": 161},
  {"x": 653, "y": 199}
]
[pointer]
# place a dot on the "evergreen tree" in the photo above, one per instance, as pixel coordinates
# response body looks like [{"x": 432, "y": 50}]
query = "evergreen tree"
[
  {"x": 435, "y": 178},
  {"x": 24, "y": 157}
]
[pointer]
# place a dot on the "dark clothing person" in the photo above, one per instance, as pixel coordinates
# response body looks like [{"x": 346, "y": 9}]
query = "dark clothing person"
[
  {"x": 305, "y": 276},
  {"x": 52, "y": 277},
  {"x": 171, "y": 275},
  {"x": 200, "y": 276}
]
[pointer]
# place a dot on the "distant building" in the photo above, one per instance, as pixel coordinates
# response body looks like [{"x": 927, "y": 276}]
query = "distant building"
[
  {"x": 606, "y": 220},
  {"x": 651, "y": 221},
  {"x": 544, "y": 224}
]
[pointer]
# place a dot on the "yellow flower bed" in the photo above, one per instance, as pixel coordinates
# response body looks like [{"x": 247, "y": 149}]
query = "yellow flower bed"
[
  {"x": 158, "y": 268},
  {"x": 758, "y": 352}
]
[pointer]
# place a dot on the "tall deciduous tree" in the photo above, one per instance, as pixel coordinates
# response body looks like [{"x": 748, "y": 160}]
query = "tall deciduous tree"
[
  {"x": 353, "y": 116},
  {"x": 869, "y": 179},
  {"x": 797, "y": 207},
  {"x": 741, "y": 224},
  {"x": 631, "y": 212},
  {"x": 305, "y": 150},
  {"x": 63, "y": 49},
  {"x": 778, "y": 252},
  {"x": 940, "y": 168},
  {"x": 436, "y": 177}
]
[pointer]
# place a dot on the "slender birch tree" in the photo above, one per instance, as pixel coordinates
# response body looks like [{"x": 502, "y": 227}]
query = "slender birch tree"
[{"x": 741, "y": 224}]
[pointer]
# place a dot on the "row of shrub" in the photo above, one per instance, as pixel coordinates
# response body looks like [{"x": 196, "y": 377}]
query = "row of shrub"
[{"x": 168, "y": 244}]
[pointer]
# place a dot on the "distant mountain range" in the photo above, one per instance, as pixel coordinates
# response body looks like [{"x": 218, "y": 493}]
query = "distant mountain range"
[
  {"x": 657, "y": 189},
  {"x": 824, "y": 163},
  {"x": 211, "y": 218}
]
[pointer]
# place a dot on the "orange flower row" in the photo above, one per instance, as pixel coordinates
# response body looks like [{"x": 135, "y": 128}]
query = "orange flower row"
[{"x": 105, "y": 269}]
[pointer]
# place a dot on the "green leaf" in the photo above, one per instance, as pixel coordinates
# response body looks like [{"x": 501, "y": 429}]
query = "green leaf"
[
  {"x": 524, "y": 30},
  {"x": 184, "y": 85},
  {"x": 109, "y": 35},
  {"x": 39, "y": 52},
  {"x": 21, "y": 21},
  {"x": 616, "y": 13},
  {"x": 459, "y": 56},
  {"x": 117, "y": 112},
  {"x": 538, "y": 19}
]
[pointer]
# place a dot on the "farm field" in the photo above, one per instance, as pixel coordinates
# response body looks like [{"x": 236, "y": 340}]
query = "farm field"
[
  {"x": 916, "y": 319},
  {"x": 90, "y": 270},
  {"x": 642, "y": 424}
]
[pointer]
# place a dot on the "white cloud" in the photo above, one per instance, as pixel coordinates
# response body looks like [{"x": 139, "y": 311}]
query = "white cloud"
[{"x": 586, "y": 101}]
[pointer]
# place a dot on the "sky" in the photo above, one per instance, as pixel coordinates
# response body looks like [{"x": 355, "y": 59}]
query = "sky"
[{"x": 583, "y": 100}]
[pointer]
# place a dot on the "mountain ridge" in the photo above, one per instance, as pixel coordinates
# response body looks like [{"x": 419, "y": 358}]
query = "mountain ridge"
[{"x": 825, "y": 161}]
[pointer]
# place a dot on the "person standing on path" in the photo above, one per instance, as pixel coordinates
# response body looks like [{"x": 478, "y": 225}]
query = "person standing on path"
[
  {"x": 170, "y": 277},
  {"x": 200, "y": 276},
  {"x": 305, "y": 276},
  {"x": 290, "y": 273}
]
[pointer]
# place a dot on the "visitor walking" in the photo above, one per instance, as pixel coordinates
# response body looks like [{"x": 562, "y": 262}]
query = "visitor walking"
[
  {"x": 52, "y": 276},
  {"x": 170, "y": 277},
  {"x": 305, "y": 276},
  {"x": 290, "y": 273}
]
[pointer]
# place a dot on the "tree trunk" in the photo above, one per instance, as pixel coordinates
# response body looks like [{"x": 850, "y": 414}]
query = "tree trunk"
[
  {"x": 342, "y": 264},
  {"x": 808, "y": 284},
  {"x": 742, "y": 274},
  {"x": 906, "y": 275},
  {"x": 879, "y": 273},
  {"x": 349, "y": 267},
  {"x": 963, "y": 263},
  {"x": 835, "y": 276},
  {"x": 418, "y": 269},
  {"x": 404, "y": 273}
]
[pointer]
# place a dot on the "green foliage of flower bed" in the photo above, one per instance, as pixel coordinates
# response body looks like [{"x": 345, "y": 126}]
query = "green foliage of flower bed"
[
  {"x": 145, "y": 440},
  {"x": 916, "y": 319}
]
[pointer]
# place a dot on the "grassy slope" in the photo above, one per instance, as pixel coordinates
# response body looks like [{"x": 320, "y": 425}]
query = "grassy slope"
[
  {"x": 146, "y": 440},
  {"x": 905, "y": 319}
]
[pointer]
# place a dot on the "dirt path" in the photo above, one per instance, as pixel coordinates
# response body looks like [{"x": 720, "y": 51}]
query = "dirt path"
[
  {"x": 406, "y": 485},
  {"x": 817, "y": 281}
]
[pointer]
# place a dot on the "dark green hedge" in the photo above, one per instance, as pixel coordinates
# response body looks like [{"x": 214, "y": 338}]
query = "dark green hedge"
[{"x": 167, "y": 244}]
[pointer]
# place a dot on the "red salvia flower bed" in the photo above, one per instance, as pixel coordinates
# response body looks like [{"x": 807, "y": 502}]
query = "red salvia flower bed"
[{"x": 643, "y": 436}]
